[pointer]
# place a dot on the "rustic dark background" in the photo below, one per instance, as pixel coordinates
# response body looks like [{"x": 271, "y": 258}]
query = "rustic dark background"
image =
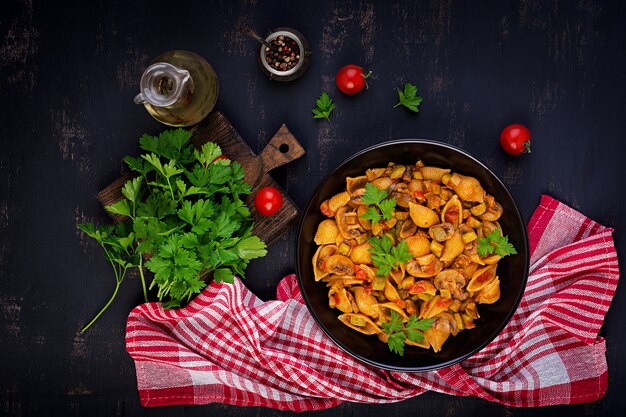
[{"x": 69, "y": 71}]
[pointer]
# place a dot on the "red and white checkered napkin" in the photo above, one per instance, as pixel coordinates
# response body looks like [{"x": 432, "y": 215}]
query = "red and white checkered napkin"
[{"x": 230, "y": 347}]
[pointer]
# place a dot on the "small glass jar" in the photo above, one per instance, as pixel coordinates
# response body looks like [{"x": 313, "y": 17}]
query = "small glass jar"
[
  {"x": 275, "y": 72},
  {"x": 179, "y": 89}
]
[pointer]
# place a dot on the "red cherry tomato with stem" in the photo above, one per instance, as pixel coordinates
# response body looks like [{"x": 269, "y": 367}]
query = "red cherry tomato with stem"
[
  {"x": 268, "y": 201},
  {"x": 351, "y": 79},
  {"x": 515, "y": 139}
]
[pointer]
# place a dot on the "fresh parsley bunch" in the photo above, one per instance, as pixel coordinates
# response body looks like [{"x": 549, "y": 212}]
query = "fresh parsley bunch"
[{"x": 185, "y": 215}]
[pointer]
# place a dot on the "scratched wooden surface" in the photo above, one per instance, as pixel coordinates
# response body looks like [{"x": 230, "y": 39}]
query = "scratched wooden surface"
[{"x": 69, "y": 71}]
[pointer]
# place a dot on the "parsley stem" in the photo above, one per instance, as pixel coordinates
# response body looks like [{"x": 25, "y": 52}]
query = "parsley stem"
[
  {"x": 117, "y": 287},
  {"x": 143, "y": 279}
]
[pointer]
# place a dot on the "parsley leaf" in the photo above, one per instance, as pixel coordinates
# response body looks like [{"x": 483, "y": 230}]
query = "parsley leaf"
[
  {"x": 494, "y": 242},
  {"x": 375, "y": 196},
  {"x": 385, "y": 256},
  {"x": 323, "y": 107},
  {"x": 397, "y": 332},
  {"x": 186, "y": 216},
  {"x": 409, "y": 98}
]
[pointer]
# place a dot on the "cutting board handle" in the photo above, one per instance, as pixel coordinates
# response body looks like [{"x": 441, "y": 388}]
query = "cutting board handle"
[{"x": 281, "y": 149}]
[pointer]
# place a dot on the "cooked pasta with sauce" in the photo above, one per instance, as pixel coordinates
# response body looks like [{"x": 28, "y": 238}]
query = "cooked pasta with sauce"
[{"x": 438, "y": 217}]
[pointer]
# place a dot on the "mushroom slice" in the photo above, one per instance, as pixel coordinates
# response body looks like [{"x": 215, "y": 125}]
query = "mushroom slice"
[
  {"x": 326, "y": 233},
  {"x": 347, "y": 223},
  {"x": 452, "y": 212},
  {"x": 408, "y": 228},
  {"x": 359, "y": 322},
  {"x": 441, "y": 232},
  {"x": 467, "y": 188},
  {"x": 418, "y": 270},
  {"x": 451, "y": 280},
  {"x": 339, "y": 264},
  {"x": 493, "y": 213},
  {"x": 422, "y": 216},
  {"x": 482, "y": 278}
]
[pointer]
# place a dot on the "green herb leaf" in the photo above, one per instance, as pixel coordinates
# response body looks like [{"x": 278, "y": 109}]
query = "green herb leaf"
[
  {"x": 186, "y": 237},
  {"x": 385, "y": 257},
  {"x": 324, "y": 106},
  {"x": 373, "y": 194},
  {"x": 372, "y": 215},
  {"x": 494, "y": 242},
  {"x": 121, "y": 207},
  {"x": 409, "y": 98},
  {"x": 387, "y": 207}
]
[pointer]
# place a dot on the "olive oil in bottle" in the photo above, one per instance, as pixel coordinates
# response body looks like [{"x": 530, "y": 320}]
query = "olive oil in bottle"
[{"x": 179, "y": 89}]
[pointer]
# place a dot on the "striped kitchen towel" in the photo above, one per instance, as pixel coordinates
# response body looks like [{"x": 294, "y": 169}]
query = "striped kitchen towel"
[{"x": 228, "y": 346}]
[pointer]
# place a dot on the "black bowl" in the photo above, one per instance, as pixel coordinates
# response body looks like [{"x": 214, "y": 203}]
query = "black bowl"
[{"x": 512, "y": 270}]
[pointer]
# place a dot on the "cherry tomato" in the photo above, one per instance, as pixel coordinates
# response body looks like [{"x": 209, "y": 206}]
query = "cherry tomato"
[
  {"x": 515, "y": 139},
  {"x": 268, "y": 201},
  {"x": 351, "y": 79}
]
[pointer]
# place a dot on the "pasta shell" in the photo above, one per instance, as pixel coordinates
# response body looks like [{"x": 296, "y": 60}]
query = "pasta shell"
[
  {"x": 365, "y": 301},
  {"x": 445, "y": 322},
  {"x": 423, "y": 344},
  {"x": 452, "y": 248},
  {"x": 354, "y": 183},
  {"x": 365, "y": 224},
  {"x": 410, "y": 306},
  {"x": 422, "y": 216},
  {"x": 383, "y": 182},
  {"x": 452, "y": 212},
  {"x": 397, "y": 274},
  {"x": 339, "y": 264},
  {"x": 418, "y": 245},
  {"x": 385, "y": 309},
  {"x": 360, "y": 254},
  {"x": 467, "y": 188},
  {"x": 392, "y": 294},
  {"x": 490, "y": 293},
  {"x": 341, "y": 299},
  {"x": 326, "y": 233},
  {"x": 407, "y": 283},
  {"x": 423, "y": 287},
  {"x": 482, "y": 278},
  {"x": 436, "y": 338},
  {"x": 368, "y": 326},
  {"x": 337, "y": 201},
  {"x": 434, "y": 306},
  {"x": 319, "y": 264},
  {"x": 434, "y": 173}
]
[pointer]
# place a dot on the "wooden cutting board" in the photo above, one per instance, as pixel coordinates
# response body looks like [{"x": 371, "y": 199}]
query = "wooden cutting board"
[{"x": 282, "y": 148}]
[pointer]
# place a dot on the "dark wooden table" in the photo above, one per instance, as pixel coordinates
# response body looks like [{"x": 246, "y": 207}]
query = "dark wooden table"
[{"x": 68, "y": 73}]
